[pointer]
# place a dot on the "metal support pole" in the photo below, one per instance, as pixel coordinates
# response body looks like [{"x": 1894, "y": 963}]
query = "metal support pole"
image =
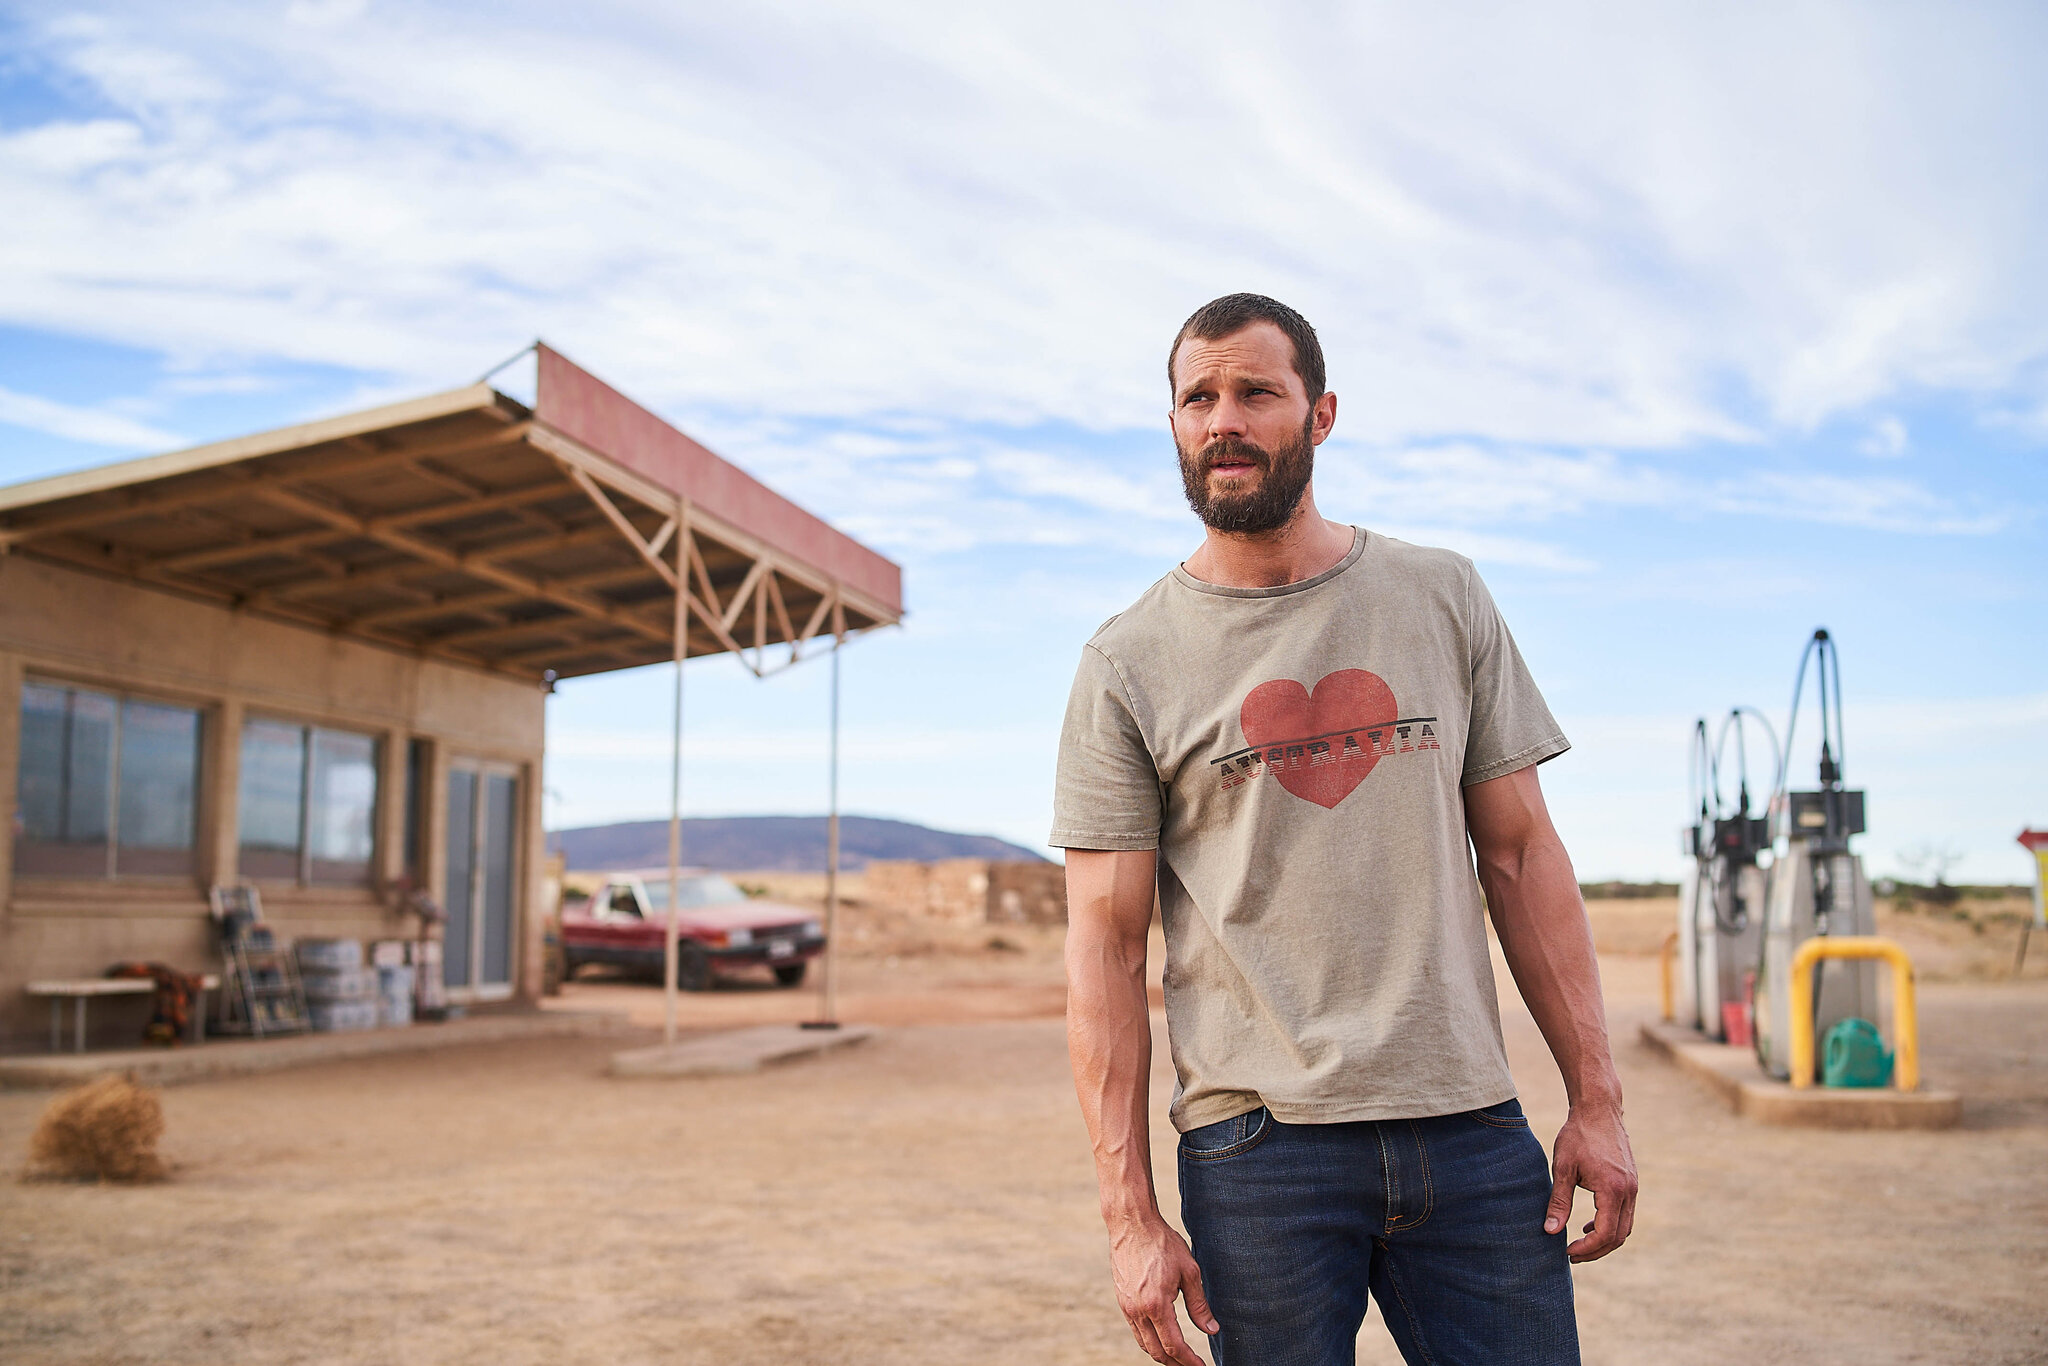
[
  {"x": 675, "y": 781},
  {"x": 2036, "y": 843},
  {"x": 829, "y": 979}
]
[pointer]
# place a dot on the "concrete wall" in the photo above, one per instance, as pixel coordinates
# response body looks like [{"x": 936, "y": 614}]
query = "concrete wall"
[
  {"x": 1029, "y": 893},
  {"x": 67, "y": 626},
  {"x": 970, "y": 890}
]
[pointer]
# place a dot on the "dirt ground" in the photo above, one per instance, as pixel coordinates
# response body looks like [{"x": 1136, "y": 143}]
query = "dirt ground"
[{"x": 927, "y": 1197}]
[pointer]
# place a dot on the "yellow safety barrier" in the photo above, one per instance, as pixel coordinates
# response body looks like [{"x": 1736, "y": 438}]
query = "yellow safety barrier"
[
  {"x": 1665, "y": 954},
  {"x": 1905, "y": 1018}
]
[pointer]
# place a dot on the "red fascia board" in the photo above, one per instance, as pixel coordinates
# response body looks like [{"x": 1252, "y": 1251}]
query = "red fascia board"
[{"x": 581, "y": 406}]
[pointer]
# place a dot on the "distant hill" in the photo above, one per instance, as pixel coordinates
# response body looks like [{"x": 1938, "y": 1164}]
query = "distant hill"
[{"x": 790, "y": 844}]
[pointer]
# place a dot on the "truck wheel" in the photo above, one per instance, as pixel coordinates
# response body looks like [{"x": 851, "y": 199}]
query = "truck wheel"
[
  {"x": 790, "y": 974},
  {"x": 693, "y": 969}
]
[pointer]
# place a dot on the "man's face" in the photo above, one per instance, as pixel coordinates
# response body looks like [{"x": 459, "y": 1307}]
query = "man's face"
[{"x": 1245, "y": 429}]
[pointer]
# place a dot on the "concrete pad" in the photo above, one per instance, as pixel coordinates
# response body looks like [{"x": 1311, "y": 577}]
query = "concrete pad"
[
  {"x": 1732, "y": 1074},
  {"x": 734, "y": 1050},
  {"x": 244, "y": 1057}
]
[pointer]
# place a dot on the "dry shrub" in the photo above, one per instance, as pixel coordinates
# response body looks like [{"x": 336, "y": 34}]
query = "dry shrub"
[{"x": 105, "y": 1130}]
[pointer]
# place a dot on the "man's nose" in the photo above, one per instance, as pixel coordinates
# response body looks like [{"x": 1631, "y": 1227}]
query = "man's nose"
[{"x": 1228, "y": 417}]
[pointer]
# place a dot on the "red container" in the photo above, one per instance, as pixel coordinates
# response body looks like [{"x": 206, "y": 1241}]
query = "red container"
[{"x": 1735, "y": 1023}]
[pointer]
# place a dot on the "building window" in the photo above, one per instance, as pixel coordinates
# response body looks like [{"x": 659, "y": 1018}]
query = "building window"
[
  {"x": 418, "y": 762},
  {"x": 308, "y": 803},
  {"x": 107, "y": 786}
]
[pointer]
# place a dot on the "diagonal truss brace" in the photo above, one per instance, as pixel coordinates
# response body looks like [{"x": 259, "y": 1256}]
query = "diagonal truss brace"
[{"x": 761, "y": 589}]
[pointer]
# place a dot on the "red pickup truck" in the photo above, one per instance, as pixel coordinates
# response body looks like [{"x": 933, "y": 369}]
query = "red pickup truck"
[{"x": 721, "y": 929}]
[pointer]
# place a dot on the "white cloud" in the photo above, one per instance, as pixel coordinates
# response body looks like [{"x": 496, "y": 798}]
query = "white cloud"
[
  {"x": 1877, "y": 504},
  {"x": 1567, "y": 265},
  {"x": 1541, "y": 250},
  {"x": 70, "y": 149},
  {"x": 93, "y": 426},
  {"x": 1546, "y": 228},
  {"x": 324, "y": 13},
  {"x": 1886, "y": 439},
  {"x": 1490, "y": 549},
  {"x": 1935, "y": 769}
]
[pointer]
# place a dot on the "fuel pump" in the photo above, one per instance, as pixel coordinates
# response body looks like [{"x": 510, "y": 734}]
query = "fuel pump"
[
  {"x": 1817, "y": 884},
  {"x": 1721, "y": 900},
  {"x": 1697, "y": 842}
]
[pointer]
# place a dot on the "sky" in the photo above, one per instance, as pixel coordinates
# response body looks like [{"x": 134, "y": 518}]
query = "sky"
[{"x": 1697, "y": 327}]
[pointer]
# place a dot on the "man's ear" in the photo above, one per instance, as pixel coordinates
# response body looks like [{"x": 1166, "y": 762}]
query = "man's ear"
[{"x": 1324, "y": 418}]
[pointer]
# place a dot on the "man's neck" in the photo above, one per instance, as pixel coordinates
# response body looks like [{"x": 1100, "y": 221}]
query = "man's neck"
[{"x": 1305, "y": 547}]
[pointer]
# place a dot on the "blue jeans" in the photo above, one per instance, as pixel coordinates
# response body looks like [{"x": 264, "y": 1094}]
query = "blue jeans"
[{"x": 1440, "y": 1220}]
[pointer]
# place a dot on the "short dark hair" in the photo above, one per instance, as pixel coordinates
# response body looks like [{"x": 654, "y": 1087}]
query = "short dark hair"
[{"x": 1234, "y": 313}]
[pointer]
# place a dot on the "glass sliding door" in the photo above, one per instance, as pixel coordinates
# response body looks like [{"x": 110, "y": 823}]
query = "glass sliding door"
[
  {"x": 482, "y": 891},
  {"x": 458, "y": 899},
  {"x": 498, "y": 843}
]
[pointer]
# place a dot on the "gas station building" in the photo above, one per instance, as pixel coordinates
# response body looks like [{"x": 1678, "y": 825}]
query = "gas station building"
[{"x": 316, "y": 659}]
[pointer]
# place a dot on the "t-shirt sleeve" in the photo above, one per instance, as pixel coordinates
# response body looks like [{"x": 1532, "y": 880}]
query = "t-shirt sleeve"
[
  {"x": 1511, "y": 728},
  {"x": 1106, "y": 795}
]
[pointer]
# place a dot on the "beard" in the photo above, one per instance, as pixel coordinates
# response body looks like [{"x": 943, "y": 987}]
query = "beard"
[{"x": 1267, "y": 504}]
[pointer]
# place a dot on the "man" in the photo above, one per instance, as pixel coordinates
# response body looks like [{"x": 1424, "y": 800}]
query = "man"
[{"x": 1292, "y": 737}]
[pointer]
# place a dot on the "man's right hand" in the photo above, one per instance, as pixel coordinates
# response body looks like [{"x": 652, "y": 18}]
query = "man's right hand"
[{"x": 1153, "y": 1267}]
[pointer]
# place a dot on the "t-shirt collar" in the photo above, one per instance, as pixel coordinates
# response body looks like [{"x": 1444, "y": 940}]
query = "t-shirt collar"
[{"x": 1187, "y": 580}]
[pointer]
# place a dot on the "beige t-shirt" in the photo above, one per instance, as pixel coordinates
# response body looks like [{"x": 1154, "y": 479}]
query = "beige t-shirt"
[{"x": 1297, "y": 755}]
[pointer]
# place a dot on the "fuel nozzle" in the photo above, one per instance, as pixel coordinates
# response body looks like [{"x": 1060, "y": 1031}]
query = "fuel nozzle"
[{"x": 1831, "y": 815}]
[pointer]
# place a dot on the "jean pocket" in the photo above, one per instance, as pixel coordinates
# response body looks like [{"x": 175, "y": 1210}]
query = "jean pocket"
[
  {"x": 1226, "y": 1137},
  {"x": 1506, "y": 1115}
]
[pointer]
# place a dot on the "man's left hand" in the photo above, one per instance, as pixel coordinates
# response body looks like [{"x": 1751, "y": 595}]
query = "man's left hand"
[{"x": 1592, "y": 1151}]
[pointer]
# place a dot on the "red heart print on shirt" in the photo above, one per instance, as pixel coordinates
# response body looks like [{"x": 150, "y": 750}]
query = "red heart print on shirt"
[{"x": 1283, "y": 714}]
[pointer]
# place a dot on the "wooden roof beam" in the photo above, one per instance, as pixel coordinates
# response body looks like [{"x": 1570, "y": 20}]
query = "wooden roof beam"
[
  {"x": 611, "y": 474},
  {"x": 494, "y": 598},
  {"x": 474, "y": 505},
  {"x": 642, "y": 546},
  {"x": 230, "y": 482},
  {"x": 249, "y": 547},
  {"x": 742, "y": 594},
  {"x": 396, "y": 574},
  {"x": 474, "y": 565},
  {"x": 781, "y": 609},
  {"x": 572, "y": 660},
  {"x": 233, "y": 481},
  {"x": 299, "y": 616},
  {"x": 572, "y": 625}
]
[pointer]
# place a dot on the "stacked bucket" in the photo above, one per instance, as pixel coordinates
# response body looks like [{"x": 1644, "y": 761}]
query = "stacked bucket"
[
  {"x": 341, "y": 993},
  {"x": 395, "y": 979}
]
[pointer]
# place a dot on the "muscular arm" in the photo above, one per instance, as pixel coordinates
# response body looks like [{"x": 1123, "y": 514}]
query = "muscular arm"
[
  {"x": 1533, "y": 896},
  {"x": 1109, "y": 1037}
]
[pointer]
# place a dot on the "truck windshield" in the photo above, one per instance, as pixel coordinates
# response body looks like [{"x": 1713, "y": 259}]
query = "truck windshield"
[{"x": 698, "y": 889}]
